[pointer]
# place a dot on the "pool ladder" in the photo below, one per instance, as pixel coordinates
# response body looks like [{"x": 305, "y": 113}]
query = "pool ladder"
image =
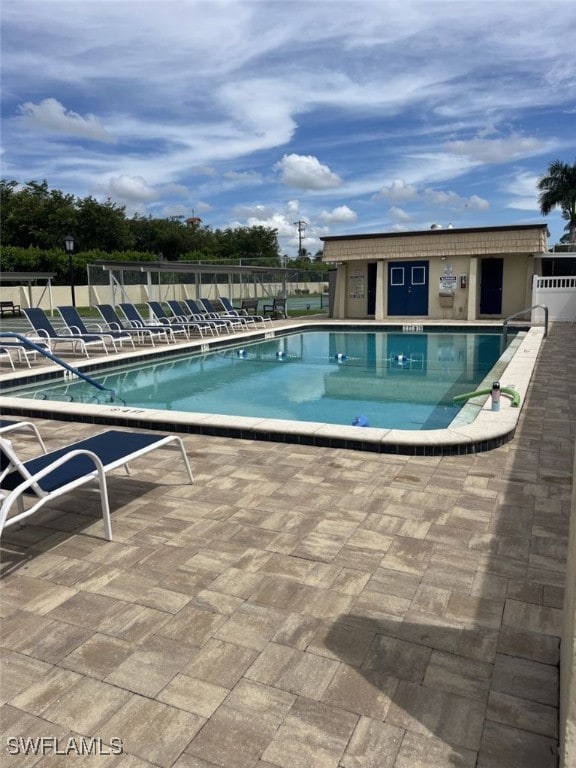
[{"x": 523, "y": 312}]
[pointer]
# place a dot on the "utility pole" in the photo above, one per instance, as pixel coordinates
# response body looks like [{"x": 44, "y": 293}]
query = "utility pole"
[{"x": 301, "y": 227}]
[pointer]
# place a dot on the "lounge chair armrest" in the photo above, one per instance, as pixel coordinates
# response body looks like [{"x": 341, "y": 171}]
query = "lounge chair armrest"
[
  {"x": 98, "y": 466},
  {"x": 39, "y": 334}
]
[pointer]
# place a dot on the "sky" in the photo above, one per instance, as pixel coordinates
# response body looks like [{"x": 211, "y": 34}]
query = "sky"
[{"x": 355, "y": 117}]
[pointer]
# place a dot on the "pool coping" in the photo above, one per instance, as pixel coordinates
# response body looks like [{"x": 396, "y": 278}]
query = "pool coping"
[{"x": 486, "y": 431}]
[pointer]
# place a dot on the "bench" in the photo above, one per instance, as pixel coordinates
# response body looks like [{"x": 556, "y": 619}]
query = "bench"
[
  {"x": 9, "y": 306},
  {"x": 249, "y": 306},
  {"x": 276, "y": 309}
]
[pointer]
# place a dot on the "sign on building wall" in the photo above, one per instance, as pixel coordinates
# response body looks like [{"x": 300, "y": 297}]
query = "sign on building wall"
[
  {"x": 448, "y": 279},
  {"x": 357, "y": 285}
]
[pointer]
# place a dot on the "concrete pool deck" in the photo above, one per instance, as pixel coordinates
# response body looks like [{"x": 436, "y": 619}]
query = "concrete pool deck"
[
  {"x": 475, "y": 428},
  {"x": 300, "y": 605}
]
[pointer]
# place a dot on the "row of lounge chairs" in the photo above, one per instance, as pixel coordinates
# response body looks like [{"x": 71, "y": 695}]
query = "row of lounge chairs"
[{"x": 182, "y": 320}]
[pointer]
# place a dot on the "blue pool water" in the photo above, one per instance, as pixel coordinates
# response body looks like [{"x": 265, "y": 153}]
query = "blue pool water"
[{"x": 379, "y": 379}]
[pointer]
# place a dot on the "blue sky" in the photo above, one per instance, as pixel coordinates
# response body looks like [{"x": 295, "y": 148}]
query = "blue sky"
[{"x": 353, "y": 117}]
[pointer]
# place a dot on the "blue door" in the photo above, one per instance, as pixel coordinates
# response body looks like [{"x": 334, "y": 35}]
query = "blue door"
[
  {"x": 371, "y": 297},
  {"x": 491, "y": 273},
  {"x": 408, "y": 288}
]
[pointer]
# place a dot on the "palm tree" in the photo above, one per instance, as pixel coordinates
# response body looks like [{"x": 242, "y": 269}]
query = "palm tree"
[{"x": 558, "y": 190}]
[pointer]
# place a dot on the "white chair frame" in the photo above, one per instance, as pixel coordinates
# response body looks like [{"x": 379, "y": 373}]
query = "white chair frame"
[{"x": 30, "y": 482}]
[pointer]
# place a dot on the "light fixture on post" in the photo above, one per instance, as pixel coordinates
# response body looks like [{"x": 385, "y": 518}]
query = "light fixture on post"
[{"x": 69, "y": 243}]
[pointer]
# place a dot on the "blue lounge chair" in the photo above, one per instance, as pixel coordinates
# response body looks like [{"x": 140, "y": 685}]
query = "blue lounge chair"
[
  {"x": 180, "y": 314},
  {"x": 53, "y": 474},
  {"x": 233, "y": 312},
  {"x": 209, "y": 306},
  {"x": 46, "y": 332},
  {"x": 115, "y": 323},
  {"x": 137, "y": 321},
  {"x": 76, "y": 325},
  {"x": 173, "y": 322},
  {"x": 200, "y": 312}
]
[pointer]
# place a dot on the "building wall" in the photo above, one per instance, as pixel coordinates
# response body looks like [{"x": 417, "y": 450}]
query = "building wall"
[{"x": 462, "y": 251}]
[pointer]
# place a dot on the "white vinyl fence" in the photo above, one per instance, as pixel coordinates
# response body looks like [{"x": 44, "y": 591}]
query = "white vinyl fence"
[{"x": 558, "y": 294}]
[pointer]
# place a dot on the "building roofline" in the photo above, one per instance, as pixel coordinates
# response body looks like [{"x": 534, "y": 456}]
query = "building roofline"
[{"x": 434, "y": 232}]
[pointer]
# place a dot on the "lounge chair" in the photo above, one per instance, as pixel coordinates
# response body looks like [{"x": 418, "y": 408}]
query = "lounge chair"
[
  {"x": 174, "y": 322},
  {"x": 200, "y": 313},
  {"x": 232, "y": 311},
  {"x": 46, "y": 332},
  {"x": 115, "y": 323},
  {"x": 15, "y": 426},
  {"x": 229, "y": 312},
  {"x": 53, "y": 474},
  {"x": 76, "y": 324},
  {"x": 180, "y": 314},
  {"x": 24, "y": 352},
  {"x": 5, "y": 355},
  {"x": 137, "y": 321},
  {"x": 223, "y": 315}
]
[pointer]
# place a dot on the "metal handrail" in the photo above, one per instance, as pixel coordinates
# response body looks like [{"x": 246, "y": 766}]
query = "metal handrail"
[
  {"x": 26, "y": 342},
  {"x": 522, "y": 312}
]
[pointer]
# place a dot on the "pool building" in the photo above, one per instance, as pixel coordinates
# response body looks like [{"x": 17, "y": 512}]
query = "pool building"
[{"x": 441, "y": 273}]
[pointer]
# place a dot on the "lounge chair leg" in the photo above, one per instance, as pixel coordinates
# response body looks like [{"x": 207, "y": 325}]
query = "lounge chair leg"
[
  {"x": 105, "y": 504},
  {"x": 185, "y": 459}
]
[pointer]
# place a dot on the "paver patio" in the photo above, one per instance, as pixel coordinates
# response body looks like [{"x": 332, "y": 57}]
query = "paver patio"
[{"x": 300, "y": 606}]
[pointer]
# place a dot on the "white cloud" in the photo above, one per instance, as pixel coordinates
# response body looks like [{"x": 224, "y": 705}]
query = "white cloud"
[
  {"x": 254, "y": 211},
  {"x": 398, "y": 214},
  {"x": 293, "y": 208},
  {"x": 243, "y": 177},
  {"x": 441, "y": 198},
  {"x": 178, "y": 190},
  {"x": 477, "y": 203},
  {"x": 133, "y": 189},
  {"x": 398, "y": 191},
  {"x": 523, "y": 189},
  {"x": 453, "y": 201},
  {"x": 171, "y": 211},
  {"x": 276, "y": 220},
  {"x": 497, "y": 150},
  {"x": 51, "y": 114},
  {"x": 340, "y": 215},
  {"x": 306, "y": 172},
  {"x": 523, "y": 184}
]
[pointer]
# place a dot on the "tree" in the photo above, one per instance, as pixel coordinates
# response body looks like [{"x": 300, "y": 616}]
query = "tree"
[
  {"x": 35, "y": 216},
  {"x": 102, "y": 226},
  {"x": 252, "y": 245},
  {"x": 558, "y": 190}
]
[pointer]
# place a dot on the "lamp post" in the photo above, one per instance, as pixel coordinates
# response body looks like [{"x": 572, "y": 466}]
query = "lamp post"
[{"x": 69, "y": 243}]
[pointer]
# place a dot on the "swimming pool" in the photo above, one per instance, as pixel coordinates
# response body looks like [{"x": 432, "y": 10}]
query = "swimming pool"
[
  {"x": 382, "y": 379},
  {"x": 474, "y": 429}
]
